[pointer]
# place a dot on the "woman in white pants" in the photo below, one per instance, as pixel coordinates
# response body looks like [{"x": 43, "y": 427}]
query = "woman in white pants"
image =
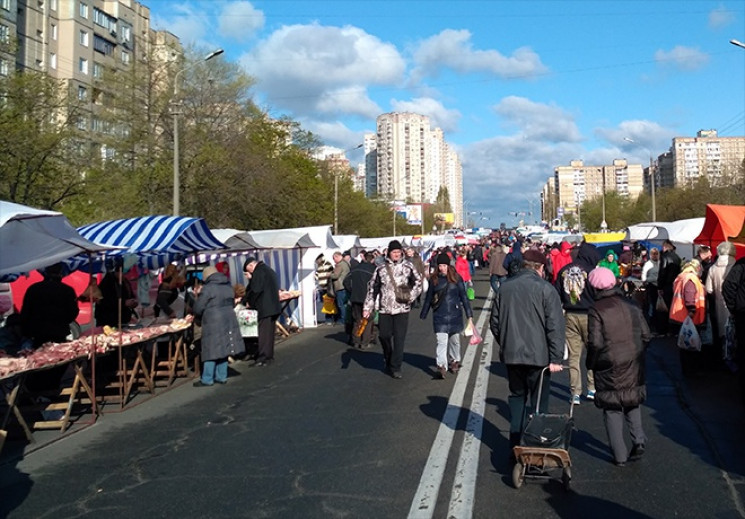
[{"x": 446, "y": 296}]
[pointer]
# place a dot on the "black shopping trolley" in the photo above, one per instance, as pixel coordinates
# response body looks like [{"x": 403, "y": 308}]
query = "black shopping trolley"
[{"x": 544, "y": 445}]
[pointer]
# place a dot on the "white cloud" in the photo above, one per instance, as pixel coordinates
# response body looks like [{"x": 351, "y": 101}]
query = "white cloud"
[
  {"x": 538, "y": 121},
  {"x": 647, "y": 136},
  {"x": 186, "y": 21},
  {"x": 720, "y": 17},
  {"x": 336, "y": 133},
  {"x": 440, "y": 117},
  {"x": 315, "y": 69},
  {"x": 453, "y": 49},
  {"x": 240, "y": 20},
  {"x": 684, "y": 58}
]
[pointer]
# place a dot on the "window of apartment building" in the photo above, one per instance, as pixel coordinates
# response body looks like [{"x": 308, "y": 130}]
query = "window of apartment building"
[
  {"x": 83, "y": 10},
  {"x": 84, "y": 38},
  {"x": 82, "y": 123},
  {"x": 104, "y": 20},
  {"x": 103, "y": 45},
  {"x": 126, "y": 33},
  {"x": 83, "y": 66},
  {"x": 53, "y": 30},
  {"x": 53, "y": 61},
  {"x": 4, "y": 68},
  {"x": 53, "y": 5},
  {"x": 82, "y": 93},
  {"x": 5, "y": 4},
  {"x": 97, "y": 70},
  {"x": 125, "y": 57},
  {"x": 4, "y": 34}
]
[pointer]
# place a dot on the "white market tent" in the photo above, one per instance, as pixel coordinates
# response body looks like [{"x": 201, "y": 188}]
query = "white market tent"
[
  {"x": 291, "y": 253},
  {"x": 680, "y": 232},
  {"x": 31, "y": 239},
  {"x": 350, "y": 242}
]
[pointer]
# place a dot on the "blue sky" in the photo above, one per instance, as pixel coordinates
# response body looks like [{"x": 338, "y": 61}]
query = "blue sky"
[{"x": 518, "y": 87}]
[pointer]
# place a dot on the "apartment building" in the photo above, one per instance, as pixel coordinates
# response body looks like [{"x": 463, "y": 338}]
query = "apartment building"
[
  {"x": 706, "y": 154},
  {"x": 577, "y": 182},
  {"x": 413, "y": 161},
  {"x": 79, "y": 41}
]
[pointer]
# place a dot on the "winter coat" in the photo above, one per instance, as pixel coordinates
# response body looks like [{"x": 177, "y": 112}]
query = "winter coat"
[
  {"x": 617, "y": 338},
  {"x": 717, "y": 274},
  {"x": 356, "y": 282},
  {"x": 463, "y": 268},
  {"x": 49, "y": 307},
  {"x": 341, "y": 271},
  {"x": 669, "y": 270},
  {"x": 611, "y": 265},
  {"x": 448, "y": 317},
  {"x": 733, "y": 288},
  {"x": 221, "y": 335},
  {"x": 496, "y": 261},
  {"x": 527, "y": 321},
  {"x": 561, "y": 259},
  {"x": 381, "y": 289},
  {"x": 113, "y": 295},
  {"x": 262, "y": 292},
  {"x": 575, "y": 290}
]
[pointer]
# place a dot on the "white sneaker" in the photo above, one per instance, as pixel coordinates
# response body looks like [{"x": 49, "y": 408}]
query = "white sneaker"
[
  {"x": 591, "y": 395},
  {"x": 575, "y": 400}
]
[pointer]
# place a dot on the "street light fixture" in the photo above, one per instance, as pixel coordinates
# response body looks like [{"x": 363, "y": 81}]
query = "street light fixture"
[
  {"x": 652, "y": 177},
  {"x": 176, "y": 175},
  {"x": 336, "y": 193},
  {"x": 737, "y": 43}
]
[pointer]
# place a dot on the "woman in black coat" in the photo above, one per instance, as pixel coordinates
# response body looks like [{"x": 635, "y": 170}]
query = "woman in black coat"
[
  {"x": 221, "y": 334},
  {"x": 617, "y": 339},
  {"x": 446, "y": 296}
]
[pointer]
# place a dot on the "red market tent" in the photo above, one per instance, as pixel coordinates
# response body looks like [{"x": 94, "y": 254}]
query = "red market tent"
[{"x": 723, "y": 223}]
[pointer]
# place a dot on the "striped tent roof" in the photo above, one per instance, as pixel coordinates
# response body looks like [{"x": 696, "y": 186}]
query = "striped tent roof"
[{"x": 154, "y": 240}]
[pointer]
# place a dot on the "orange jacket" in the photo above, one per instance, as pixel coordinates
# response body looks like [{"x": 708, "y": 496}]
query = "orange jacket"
[{"x": 678, "y": 310}]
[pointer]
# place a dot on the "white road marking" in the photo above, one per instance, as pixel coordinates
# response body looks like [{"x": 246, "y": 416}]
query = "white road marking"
[{"x": 425, "y": 499}]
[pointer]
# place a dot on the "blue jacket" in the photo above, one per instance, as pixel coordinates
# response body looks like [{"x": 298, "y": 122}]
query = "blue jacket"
[{"x": 448, "y": 318}]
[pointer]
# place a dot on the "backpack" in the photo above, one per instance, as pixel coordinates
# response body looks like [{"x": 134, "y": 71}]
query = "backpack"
[{"x": 573, "y": 280}]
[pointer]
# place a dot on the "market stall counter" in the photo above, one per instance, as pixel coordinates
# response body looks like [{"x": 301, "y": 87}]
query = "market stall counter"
[{"x": 130, "y": 346}]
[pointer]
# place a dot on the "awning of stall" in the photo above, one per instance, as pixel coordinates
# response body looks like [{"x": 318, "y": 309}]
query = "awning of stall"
[
  {"x": 235, "y": 239},
  {"x": 723, "y": 223},
  {"x": 348, "y": 242},
  {"x": 155, "y": 241},
  {"x": 31, "y": 239}
]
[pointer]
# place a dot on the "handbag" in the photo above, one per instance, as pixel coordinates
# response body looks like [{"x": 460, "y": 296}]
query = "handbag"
[
  {"x": 402, "y": 292},
  {"x": 438, "y": 297},
  {"x": 688, "y": 338}
]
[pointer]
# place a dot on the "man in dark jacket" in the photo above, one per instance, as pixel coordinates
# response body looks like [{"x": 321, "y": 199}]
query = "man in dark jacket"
[
  {"x": 49, "y": 307},
  {"x": 733, "y": 292},
  {"x": 528, "y": 324},
  {"x": 356, "y": 286},
  {"x": 497, "y": 270},
  {"x": 262, "y": 294},
  {"x": 576, "y": 298}
]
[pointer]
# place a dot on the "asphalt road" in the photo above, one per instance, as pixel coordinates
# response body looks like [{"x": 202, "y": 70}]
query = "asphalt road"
[{"x": 324, "y": 433}]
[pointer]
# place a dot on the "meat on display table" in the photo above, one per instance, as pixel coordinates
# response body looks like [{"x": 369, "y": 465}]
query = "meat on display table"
[{"x": 14, "y": 370}]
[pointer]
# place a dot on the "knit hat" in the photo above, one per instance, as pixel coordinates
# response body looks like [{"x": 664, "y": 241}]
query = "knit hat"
[
  {"x": 223, "y": 267},
  {"x": 443, "y": 259},
  {"x": 248, "y": 261},
  {"x": 602, "y": 278},
  {"x": 534, "y": 256},
  {"x": 394, "y": 245},
  {"x": 207, "y": 272}
]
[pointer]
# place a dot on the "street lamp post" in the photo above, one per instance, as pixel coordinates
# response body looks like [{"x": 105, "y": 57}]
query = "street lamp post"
[
  {"x": 176, "y": 175},
  {"x": 652, "y": 178},
  {"x": 737, "y": 43},
  {"x": 336, "y": 191}
]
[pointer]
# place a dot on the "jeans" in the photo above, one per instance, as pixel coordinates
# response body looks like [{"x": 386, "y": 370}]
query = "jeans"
[
  {"x": 495, "y": 281},
  {"x": 448, "y": 348},
  {"x": 214, "y": 371},
  {"x": 341, "y": 304}
]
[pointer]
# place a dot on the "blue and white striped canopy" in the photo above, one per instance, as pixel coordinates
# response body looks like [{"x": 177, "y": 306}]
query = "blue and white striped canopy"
[{"x": 154, "y": 240}]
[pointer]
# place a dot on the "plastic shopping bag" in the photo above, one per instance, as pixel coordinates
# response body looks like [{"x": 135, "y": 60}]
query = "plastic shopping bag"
[
  {"x": 468, "y": 332},
  {"x": 329, "y": 305},
  {"x": 688, "y": 338},
  {"x": 475, "y": 337}
]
